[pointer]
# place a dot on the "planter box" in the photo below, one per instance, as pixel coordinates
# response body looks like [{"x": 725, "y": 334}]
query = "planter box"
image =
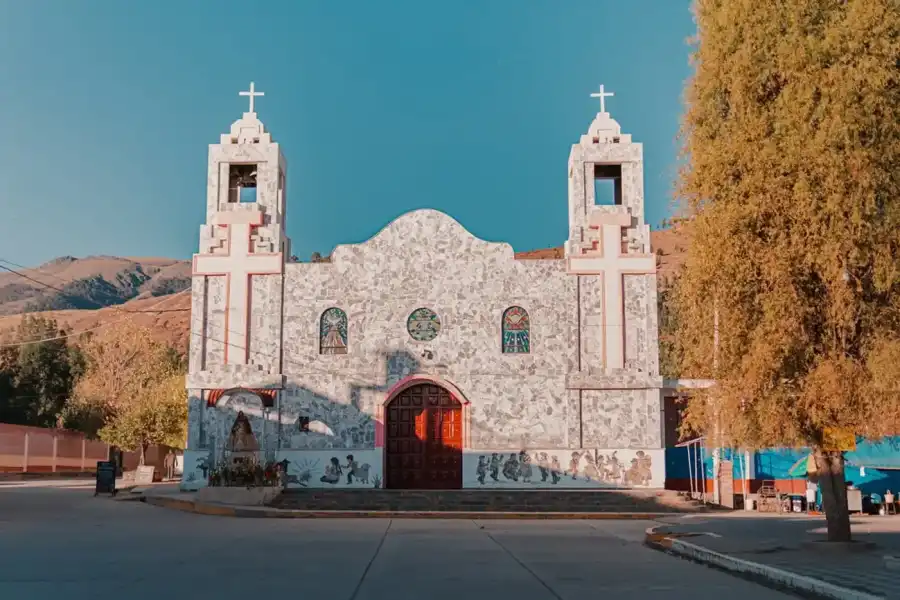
[{"x": 240, "y": 496}]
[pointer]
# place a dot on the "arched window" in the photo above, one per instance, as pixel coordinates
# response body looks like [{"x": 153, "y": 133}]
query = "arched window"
[
  {"x": 516, "y": 331},
  {"x": 333, "y": 332}
]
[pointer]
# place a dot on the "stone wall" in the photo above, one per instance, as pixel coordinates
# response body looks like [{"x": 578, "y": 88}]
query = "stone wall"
[{"x": 426, "y": 259}]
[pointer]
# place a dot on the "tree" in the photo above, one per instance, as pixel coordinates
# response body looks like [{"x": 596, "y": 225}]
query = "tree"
[
  {"x": 158, "y": 415},
  {"x": 134, "y": 387},
  {"x": 792, "y": 194},
  {"x": 121, "y": 363},
  {"x": 37, "y": 378}
]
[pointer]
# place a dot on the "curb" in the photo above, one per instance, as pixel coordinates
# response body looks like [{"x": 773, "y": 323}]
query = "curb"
[
  {"x": 772, "y": 576},
  {"x": 223, "y": 510}
]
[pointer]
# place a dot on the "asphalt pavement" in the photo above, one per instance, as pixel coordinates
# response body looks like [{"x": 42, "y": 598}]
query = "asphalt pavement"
[{"x": 58, "y": 541}]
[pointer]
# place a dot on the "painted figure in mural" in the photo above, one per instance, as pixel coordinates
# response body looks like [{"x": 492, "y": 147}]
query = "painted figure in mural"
[
  {"x": 495, "y": 466},
  {"x": 613, "y": 468},
  {"x": 285, "y": 478},
  {"x": 555, "y": 469},
  {"x": 525, "y": 466},
  {"x": 333, "y": 471},
  {"x": 590, "y": 471},
  {"x": 640, "y": 471},
  {"x": 481, "y": 469},
  {"x": 202, "y": 463},
  {"x": 511, "y": 467},
  {"x": 544, "y": 466},
  {"x": 242, "y": 438},
  {"x": 573, "y": 464},
  {"x": 354, "y": 470}
]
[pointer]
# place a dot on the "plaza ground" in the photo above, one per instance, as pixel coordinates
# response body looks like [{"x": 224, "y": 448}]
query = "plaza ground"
[
  {"x": 795, "y": 543},
  {"x": 58, "y": 541}
]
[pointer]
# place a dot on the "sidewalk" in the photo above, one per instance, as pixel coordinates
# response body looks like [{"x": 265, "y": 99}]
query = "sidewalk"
[{"x": 779, "y": 548}]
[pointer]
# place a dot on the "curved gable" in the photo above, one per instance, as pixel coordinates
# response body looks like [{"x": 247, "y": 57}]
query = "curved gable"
[{"x": 423, "y": 233}]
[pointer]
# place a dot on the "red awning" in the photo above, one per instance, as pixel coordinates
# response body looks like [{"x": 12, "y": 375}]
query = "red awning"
[{"x": 266, "y": 396}]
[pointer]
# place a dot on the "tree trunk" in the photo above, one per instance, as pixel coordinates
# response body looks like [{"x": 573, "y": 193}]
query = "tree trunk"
[
  {"x": 830, "y": 472},
  {"x": 144, "y": 453}
]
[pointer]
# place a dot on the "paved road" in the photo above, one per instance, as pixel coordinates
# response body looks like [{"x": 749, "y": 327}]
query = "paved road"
[{"x": 60, "y": 542}]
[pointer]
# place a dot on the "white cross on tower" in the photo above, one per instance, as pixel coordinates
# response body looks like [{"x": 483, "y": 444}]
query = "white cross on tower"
[
  {"x": 253, "y": 94},
  {"x": 609, "y": 262},
  {"x": 238, "y": 266},
  {"x": 603, "y": 95}
]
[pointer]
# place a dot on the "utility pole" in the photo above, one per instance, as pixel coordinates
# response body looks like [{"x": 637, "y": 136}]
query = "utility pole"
[{"x": 717, "y": 498}]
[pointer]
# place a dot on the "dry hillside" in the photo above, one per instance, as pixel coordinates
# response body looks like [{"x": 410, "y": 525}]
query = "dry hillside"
[
  {"x": 90, "y": 283},
  {"x": 173, "y": 327}
]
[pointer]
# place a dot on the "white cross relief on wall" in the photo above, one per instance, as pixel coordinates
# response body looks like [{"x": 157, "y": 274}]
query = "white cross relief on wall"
[
  {"x": 607, "y": 261},
  {"x": 238, "y": 266}
]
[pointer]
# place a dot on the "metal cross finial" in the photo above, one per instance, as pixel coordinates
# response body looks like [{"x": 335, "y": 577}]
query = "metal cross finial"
[
  {"x": 603, "y": 95},
  {"x": 253, "y": 94}
]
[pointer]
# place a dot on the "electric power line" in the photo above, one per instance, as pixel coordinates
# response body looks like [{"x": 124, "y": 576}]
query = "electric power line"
[{"x": 101, "y": 326}]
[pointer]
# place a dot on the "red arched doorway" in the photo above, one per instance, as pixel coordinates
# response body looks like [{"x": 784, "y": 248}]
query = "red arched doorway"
[{"x": 423, "y": 441}]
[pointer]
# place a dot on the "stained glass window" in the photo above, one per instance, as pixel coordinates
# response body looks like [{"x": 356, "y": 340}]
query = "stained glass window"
[
  {"x": 333, "y": 332},
  {"x": 516, "y": 331},
  {"x": 423, "y": 325}
]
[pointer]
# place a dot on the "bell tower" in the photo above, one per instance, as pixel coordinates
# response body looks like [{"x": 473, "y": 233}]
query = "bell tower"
[
  {"x": 238, "y": 273},
  {"x": 247, "y": 174},
  {"x": 609, "y": 250}
]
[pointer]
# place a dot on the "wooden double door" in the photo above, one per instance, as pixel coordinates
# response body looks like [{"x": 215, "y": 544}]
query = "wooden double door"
[{"x": 423, "y": 445}]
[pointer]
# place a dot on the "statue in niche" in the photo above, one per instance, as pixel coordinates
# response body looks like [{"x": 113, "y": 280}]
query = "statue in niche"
[{"x": 242, "y": 438}]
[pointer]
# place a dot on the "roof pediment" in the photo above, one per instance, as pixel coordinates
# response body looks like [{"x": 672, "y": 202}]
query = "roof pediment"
[{"x": 424, "y": 232}]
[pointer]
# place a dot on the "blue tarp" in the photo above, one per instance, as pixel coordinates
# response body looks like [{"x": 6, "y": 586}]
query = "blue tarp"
[{"x": 876, "y": 455}]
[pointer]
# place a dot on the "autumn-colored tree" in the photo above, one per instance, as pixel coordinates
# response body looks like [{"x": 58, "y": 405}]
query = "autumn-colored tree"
[
  {"x": 157, "y": 415},
  {"x": 134, "y": 386},
  {"x": 792, "y": 195}
]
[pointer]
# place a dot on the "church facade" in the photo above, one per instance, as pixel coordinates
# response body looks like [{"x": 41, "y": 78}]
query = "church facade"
[{"x": 426, "y": 357}]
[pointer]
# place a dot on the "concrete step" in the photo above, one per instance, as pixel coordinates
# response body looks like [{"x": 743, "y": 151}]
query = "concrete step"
[{"x": 488, "y": 500}]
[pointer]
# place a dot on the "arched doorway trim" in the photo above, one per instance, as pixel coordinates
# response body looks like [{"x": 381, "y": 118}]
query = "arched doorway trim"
[
  {"x": 266, "y": 396},
  {"x": 409, "y": 382}
]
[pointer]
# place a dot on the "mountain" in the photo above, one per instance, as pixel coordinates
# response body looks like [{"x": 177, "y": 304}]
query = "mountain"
[
  {"x": 135, "y": 284},
  {"x": 89, "y": 283}
]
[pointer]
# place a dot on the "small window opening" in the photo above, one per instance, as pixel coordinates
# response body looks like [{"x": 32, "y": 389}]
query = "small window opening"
[
  {"x": 242, "y": 183},
  {"x": 607, "y": 185}
]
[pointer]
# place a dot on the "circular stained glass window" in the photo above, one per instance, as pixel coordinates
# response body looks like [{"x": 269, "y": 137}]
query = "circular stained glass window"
[{"x": 423, "y": 325}]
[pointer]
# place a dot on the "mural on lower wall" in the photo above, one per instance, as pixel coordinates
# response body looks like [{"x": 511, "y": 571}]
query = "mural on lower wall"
[
  {"x": 332, "y": 468},
  {"x": 542, "y": 469},
  {"x": 592, "y": 468},
  {"x": 195, "y": 474}
]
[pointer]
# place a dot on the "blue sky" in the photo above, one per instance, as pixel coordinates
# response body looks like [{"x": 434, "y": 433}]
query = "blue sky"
[{"x": 381, "y": 107}]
